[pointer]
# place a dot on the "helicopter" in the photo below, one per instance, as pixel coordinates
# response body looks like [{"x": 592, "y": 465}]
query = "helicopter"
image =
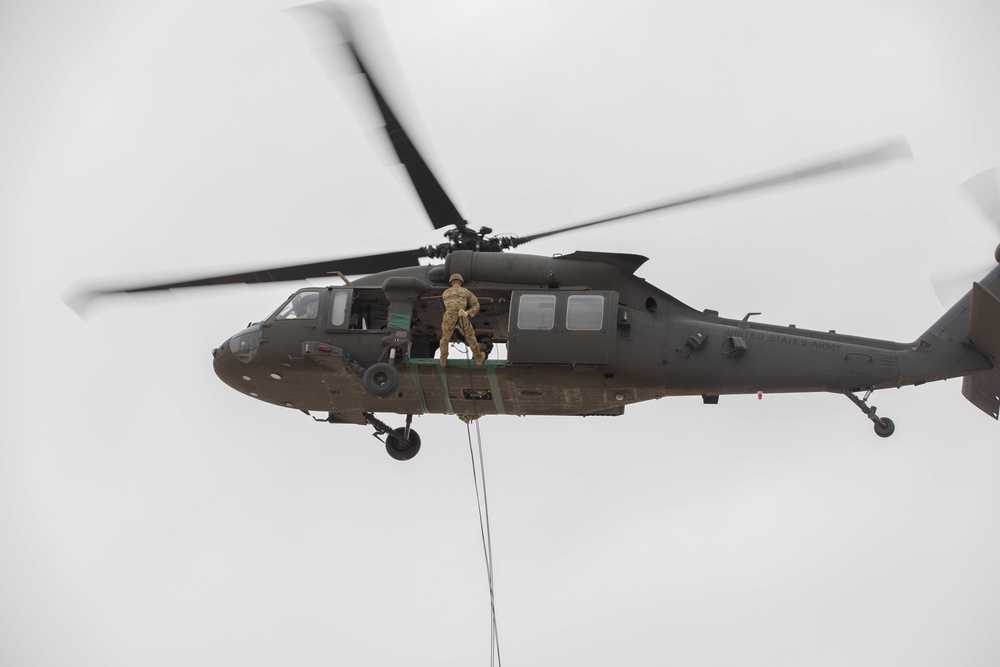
[{"x": 584, "y": 335}]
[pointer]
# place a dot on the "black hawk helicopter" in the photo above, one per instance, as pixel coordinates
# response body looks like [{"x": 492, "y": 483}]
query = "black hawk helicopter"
[{"x": 583, "y": 334}]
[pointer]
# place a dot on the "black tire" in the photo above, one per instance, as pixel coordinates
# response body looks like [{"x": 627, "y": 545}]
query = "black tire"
[
  {"x": 380, "y": 379},
  {"x": 400, "y": 449},
  {"x": 884, "y": 427}
]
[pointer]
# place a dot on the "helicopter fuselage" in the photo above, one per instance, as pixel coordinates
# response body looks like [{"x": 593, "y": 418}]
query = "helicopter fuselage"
[{"x": 582, "y": 334}]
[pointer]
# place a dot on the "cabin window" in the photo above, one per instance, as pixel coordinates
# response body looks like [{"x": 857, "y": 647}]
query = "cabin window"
[
  {"x": 536, "y": 312},
  {"x": 339, "y": 314},
  {"x": 302, "y": 306},
  {"x": 585, "y": 312}
]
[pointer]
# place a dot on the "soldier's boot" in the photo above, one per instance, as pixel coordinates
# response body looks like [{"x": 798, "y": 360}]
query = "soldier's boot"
[{"x": 477, "y": 354}]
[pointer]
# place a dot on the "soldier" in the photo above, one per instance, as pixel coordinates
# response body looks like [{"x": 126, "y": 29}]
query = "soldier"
[{"x": 460, "y": 306}]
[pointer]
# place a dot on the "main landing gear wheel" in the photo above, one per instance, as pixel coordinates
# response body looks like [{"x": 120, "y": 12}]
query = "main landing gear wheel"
[
  {"x": 884, "y": 427},
  {"x": 380, "y": 379},
  {"x": 399, "y": 446}
]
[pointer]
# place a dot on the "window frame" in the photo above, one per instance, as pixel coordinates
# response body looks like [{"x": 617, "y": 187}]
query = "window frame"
[
  {"x": 587, "y": 311},
  {"x": 537, "y": 310}
]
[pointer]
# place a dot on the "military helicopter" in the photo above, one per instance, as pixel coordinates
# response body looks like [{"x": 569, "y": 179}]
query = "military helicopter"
[{"x": 584, "y": 335}]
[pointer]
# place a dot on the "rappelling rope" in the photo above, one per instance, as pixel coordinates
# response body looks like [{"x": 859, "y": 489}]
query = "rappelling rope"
[
  {"x": 484, "y": 529},
  {"x": 483, "y": 505}
]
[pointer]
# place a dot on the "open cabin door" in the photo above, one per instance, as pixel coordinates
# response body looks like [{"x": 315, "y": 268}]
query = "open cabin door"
[{"x": 562, "y": 327}]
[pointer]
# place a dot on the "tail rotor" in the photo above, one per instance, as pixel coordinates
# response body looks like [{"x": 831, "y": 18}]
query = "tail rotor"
[{"x": 983, "y": 190}]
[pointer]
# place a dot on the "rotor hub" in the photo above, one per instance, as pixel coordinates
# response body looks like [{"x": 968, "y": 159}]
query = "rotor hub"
[{"x": 466, "y": 238}]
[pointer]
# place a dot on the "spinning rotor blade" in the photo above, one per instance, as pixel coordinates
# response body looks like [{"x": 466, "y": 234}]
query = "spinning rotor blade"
[
  {"x": 440, "y": 209},
  {"x": 952, "y": 286},
  {"x": 347, "y": 266},
  {"x": 897, "y": 148},
  {"x": 984, "y": 190}
]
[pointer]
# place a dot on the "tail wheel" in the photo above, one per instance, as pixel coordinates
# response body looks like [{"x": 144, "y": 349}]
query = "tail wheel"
[
  {"x": 380, "y": 379},
  {"x": 401, "y": 448}
]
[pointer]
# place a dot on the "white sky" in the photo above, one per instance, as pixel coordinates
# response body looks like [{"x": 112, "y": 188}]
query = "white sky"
[{"x": 150, "y": 515}]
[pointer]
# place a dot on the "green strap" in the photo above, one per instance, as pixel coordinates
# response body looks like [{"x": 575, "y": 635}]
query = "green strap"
[
  {"x": 491, "y": 375},
  {"x": 415, "y": 377},
  {"x": 399, "y": 321},
  {"x": 448, "y": 410}
]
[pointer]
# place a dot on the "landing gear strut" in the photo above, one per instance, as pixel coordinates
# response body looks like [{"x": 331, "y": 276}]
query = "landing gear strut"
[
  {"x": 884, "y": 427},
  {"x": 401, "y": 443}
]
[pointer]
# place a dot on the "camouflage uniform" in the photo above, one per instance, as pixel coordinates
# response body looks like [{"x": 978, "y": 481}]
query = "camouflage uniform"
[{"x": 455, "y": 300}]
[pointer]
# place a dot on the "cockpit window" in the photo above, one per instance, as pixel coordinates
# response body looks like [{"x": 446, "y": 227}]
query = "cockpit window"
[{"x": 302, "y": 306}]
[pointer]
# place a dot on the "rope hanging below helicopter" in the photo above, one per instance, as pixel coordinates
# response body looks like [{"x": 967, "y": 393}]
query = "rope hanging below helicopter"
[
  {"x": 483, "y": 505},
  {"x": 482, "y": 502}
]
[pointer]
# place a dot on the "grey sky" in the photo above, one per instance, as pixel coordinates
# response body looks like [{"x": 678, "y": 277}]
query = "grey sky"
[{"x": 150, "y": 515}]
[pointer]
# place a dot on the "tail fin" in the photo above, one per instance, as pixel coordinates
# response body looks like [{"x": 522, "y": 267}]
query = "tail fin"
[
  {"x": 983, "y": 389},
  {"x": 968, "y": 337}
]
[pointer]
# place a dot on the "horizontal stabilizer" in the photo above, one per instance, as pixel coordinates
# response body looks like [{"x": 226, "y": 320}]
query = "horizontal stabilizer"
[{"x": 983, "y": 389}]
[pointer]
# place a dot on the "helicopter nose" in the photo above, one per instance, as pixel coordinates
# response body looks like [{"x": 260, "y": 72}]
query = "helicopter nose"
[
  {"x": 226, "y": 365},
  {"x": 244, "y": 344},
  {"x": 230, "y": 360},
  {"x": 232, "y": 371}
]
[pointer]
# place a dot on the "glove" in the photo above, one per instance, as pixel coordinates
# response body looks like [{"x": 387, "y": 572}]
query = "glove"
[{"x": 463, "y": 313}]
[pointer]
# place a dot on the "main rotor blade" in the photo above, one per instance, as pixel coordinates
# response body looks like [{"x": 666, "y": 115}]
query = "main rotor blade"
[
  {"x": 897, "y": 148},
  {"x": 440, "y": 209},
  {"x": 347, "y": 266}
]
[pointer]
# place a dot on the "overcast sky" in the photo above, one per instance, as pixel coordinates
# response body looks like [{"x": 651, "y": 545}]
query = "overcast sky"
[{"x": 151, "y": 515}]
